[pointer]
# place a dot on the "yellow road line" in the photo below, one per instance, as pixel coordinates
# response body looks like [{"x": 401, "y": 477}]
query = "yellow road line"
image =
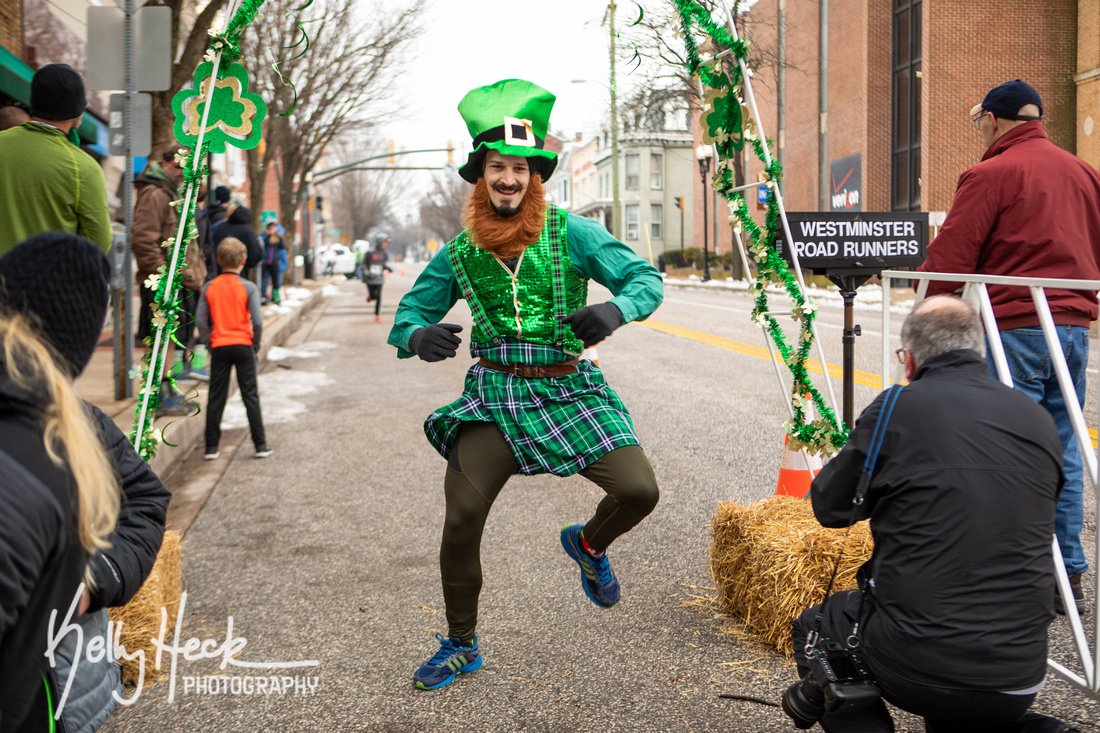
[{"x": 865, "y": 378}]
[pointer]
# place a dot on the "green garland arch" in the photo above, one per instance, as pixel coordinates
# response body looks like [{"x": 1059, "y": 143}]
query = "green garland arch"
[{"x": 727, "y": 123}]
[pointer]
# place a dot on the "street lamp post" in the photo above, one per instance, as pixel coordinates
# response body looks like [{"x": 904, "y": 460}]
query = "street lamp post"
[{"x": 702, "y": 154}]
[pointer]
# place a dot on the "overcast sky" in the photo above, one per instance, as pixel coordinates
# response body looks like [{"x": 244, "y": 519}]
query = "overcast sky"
[{"x": 473, "y": 43}]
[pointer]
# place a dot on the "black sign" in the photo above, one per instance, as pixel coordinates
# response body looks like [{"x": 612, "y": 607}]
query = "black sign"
[
  {"x": 846, "y": 183},
  {"x": 865, "y": 242}
]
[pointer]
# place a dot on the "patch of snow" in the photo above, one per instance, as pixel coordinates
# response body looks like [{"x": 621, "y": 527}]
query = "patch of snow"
[
  {"x": 307, "y": 350},
  {"x": 278, "y": 390}
]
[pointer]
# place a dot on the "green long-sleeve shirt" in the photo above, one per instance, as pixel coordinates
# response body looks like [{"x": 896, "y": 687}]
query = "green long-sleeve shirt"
[
  {"x": 635, "y": 283},
  {"x": 49, "y": 184}
]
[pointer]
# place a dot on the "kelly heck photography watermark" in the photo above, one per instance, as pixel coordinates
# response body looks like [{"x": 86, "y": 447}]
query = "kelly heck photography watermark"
[{"x": 262, "y": 681}]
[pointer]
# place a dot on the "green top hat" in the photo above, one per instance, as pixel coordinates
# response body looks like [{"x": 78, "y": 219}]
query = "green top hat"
[{"x": 511, "y": 117}]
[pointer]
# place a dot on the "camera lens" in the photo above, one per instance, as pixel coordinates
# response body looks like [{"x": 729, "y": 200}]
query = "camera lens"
[{"x": 803, "y": 703}]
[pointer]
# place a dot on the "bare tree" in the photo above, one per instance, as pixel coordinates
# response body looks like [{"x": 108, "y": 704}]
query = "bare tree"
[
  {"x": 363, "y": 198},
  {"x": 191, "y": 21},
  {"x": 441, "y": 208},
  {"x": 658, "y": 40},
  {"x": 341, "y": 82}
]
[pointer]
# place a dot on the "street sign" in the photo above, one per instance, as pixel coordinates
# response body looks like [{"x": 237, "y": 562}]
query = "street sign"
[
  {"x": 848, "y": 243},
  {"x": 152, "y": 44},
  {"x": 141, "y": 115}
]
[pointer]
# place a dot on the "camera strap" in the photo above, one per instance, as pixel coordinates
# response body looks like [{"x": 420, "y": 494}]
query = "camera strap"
[{"x": 878, "y": 435}]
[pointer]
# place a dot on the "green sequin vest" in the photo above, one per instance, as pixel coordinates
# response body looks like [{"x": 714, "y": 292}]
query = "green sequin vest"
[{"x": 528, "y": 304}]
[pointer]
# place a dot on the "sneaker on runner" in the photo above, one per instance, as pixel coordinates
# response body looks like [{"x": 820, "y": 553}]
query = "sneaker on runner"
[
  {"x": 597, "y": 578},
  {"x": 451, "y": 660}
]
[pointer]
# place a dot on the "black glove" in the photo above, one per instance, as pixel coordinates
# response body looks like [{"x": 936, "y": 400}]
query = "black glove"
[
  {"x": 435, "y": 343},
  {"x": 594, "y": 323}
]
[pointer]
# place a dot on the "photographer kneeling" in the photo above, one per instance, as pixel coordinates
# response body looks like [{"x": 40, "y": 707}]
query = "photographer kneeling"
[{"x": 952, "y": 620}]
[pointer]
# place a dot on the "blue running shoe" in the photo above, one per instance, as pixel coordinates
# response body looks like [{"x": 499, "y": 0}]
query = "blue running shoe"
[
  {"x": 597, "y": 577},
  {"x": 451, "y": 660}
]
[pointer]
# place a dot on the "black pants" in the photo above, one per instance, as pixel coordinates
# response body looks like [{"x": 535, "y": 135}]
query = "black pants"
[
  {"x": 479, "y": 466},
  {"x": 222, "y": 361},
  {"x": 374, "y": 292},
  {"x": 145, "y": 313},
  {"x": 945, "y": 710}
]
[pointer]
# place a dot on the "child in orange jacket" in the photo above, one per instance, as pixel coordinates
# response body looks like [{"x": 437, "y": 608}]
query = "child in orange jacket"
[{"x": 230, "y": 324}]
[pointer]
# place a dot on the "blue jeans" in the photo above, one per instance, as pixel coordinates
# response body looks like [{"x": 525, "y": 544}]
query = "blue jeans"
[{"x": 1033, "y": 374}]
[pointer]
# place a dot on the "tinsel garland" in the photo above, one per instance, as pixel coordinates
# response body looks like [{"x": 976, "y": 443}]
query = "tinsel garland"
[
  {"x": 166, "y": 309},
  {"x": 166, "y": 303},
  {"x": 729, "y": 127}
]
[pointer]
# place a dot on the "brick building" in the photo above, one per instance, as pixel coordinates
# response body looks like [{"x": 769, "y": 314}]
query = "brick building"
[{"x": 901, "y": 77}]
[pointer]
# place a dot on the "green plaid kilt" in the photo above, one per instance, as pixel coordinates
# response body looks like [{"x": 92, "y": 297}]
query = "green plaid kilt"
[{"x": 556, "y": 425}]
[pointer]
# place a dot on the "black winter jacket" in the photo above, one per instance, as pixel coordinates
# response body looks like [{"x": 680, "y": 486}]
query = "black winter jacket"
[
  {"x": 120, "y": 570},
  {"x": 962, "y": 511},
  {"x": 41, "y": 561},
  {"x": 40, "y": 491},
  {"x": 239, "y": 225}
]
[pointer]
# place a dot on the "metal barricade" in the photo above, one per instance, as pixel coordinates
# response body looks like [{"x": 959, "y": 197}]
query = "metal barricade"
[{"x": 975, "y": 289}]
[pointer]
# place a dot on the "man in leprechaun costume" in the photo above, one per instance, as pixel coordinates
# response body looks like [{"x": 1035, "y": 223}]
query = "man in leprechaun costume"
[{"x": 530, "y": 404}]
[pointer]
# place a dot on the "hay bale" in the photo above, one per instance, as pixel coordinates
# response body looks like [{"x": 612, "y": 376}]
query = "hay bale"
[
  {"x": 772, "y": 560},
  {"x": 140, "y": 618}
]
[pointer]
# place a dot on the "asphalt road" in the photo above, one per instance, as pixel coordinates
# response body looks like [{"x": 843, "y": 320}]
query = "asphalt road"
[{"x": 327, "y": 551}]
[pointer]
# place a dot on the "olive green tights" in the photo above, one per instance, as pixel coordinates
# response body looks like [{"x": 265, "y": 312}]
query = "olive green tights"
[{"x": 479, "y": 466}]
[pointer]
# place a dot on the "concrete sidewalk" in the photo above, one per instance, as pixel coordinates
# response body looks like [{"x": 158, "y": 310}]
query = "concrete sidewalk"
[{"x": 97, "y": 383}]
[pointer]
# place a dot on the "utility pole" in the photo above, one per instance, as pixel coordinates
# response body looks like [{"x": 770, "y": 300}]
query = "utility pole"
[{"x": 616, "y": 201}]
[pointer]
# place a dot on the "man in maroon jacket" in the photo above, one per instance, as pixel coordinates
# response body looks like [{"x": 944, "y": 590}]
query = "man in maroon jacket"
[{"x": 1030, "y": 209}]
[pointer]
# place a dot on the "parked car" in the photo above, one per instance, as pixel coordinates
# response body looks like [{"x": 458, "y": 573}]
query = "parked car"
[{"x": 345, "y": 259}]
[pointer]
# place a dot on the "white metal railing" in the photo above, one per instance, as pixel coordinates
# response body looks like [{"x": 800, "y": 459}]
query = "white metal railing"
[{"x": 975, "y": 289}]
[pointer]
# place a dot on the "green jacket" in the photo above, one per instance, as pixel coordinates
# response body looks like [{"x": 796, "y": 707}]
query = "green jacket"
[{"x": 49, "y": 184}]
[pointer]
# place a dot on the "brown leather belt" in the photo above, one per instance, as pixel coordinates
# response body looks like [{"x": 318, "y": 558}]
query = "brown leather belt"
[{"x": 533, "y": 371}]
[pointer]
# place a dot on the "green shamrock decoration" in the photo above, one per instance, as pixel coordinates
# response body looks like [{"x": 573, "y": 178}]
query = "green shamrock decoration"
[
  {"x": 235, "y": 113},
  {"x": 722, "y": 123}
]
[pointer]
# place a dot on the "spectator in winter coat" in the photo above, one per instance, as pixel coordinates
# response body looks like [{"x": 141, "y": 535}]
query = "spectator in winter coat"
[
  {"x": 155, "y": 221},
  {"x": 274, "y": 255},
  {"x": 48, "y": 182},
  {"x": 1030, "y": 209},
  {"x": 238, "y": 224},
  {"x": 59, "y": 500}
]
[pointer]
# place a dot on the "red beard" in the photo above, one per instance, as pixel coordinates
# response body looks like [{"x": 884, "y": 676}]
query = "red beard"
[{"x": 505, "y": 237}]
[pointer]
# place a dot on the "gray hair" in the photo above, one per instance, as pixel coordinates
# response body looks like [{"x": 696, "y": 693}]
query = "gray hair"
[{"x": 941, "y": 324}]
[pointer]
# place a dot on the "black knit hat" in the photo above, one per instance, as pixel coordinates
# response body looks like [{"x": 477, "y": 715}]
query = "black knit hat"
[
  {"x": 62, "y": 281},
  {"x": 221, "y": 194},
  {"x": 57, "y": 93}
]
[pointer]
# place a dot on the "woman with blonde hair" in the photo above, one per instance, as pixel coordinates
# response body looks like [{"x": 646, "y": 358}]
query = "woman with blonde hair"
[{"x": 59, "y": 496}]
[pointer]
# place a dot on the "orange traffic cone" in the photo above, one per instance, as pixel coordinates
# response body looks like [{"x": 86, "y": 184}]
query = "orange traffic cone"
[
  {"x": 796, "y": 472},
  {"x": 591, "y": 355}
]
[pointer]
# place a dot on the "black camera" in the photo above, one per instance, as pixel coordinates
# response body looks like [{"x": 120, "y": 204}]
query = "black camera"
[{"x": 838, "y": 681}]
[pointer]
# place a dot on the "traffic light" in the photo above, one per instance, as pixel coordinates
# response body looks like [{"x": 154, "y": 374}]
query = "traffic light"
[
  {"x": 680, "y": 203},
  {"x": 450, "y": 152},
  {"x": 390, "y": 148}
]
